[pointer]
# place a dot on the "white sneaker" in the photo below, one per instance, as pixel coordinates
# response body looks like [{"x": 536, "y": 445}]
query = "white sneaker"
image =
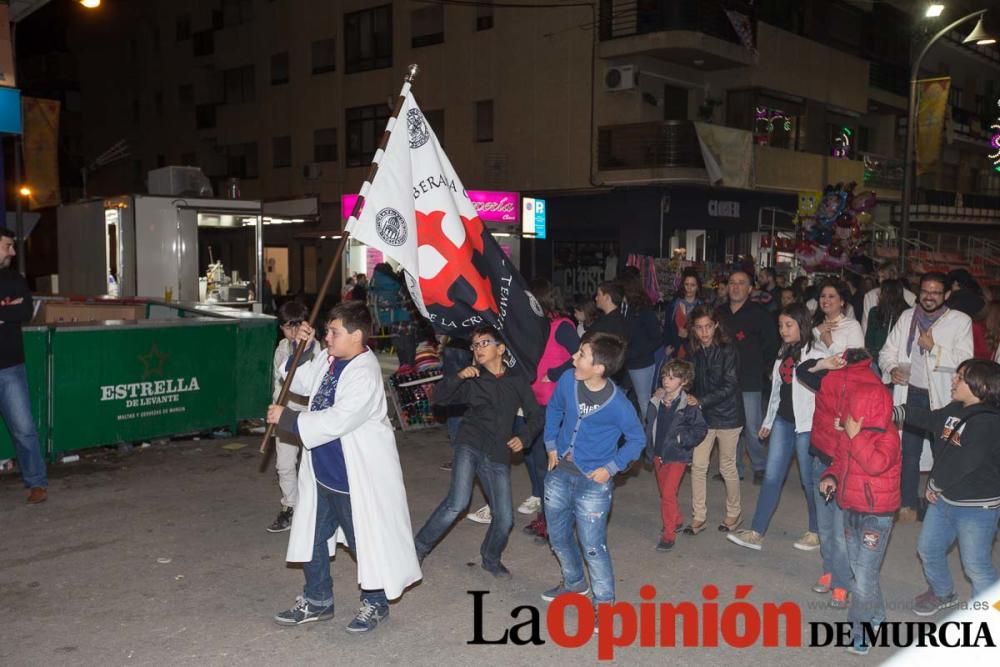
[
  {"x": 481, "y": 515},
  {"x": 808, "y": 542},
  {"x": 530, "y": 505}
]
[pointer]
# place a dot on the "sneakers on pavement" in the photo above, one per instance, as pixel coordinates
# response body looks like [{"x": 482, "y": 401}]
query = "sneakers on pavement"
[
  {"x": 665, "y": 545},
  {"x": 283, "y": 522},
  {"x": 553, "y": 593},
  {"x": 824, "y": 584},
  {"x": 481, "y": 515},
  {"x": 928, "y": 604},
  {"x": 446, "y": 466},
  {"x": 499, "y": 570},
  {"x": 303, "y": 612},
  {"x": 368, "y": 618},
  {"x": 750, "y": 539},
  {"x": 839, "y": 599},
  {"x": 530, "y": 505},
  {"x": 37, "y": 494},
  {"x": 808, "y": 542}
]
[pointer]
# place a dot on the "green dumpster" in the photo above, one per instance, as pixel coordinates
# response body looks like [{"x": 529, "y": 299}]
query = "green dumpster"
[
  {"x": 155, "y": 378},
  {"x": 36, "y": 355}
]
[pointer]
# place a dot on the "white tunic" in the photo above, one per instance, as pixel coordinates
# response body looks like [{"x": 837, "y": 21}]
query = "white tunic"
[{"x": 386, "y": 556}]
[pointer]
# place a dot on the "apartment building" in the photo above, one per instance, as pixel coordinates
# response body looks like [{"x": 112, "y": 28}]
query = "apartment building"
[{"x": 596, "y": 108}]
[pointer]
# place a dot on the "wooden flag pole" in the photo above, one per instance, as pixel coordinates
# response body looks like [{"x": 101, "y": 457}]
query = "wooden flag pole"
[{"x": 266, "y": 446}]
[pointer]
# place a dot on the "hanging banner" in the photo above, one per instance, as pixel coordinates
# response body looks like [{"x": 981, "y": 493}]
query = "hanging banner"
[
  {"x": 728, "y": 154},
  {"x": 932, "y": 105},
  {"x": 41, "y": 151}
]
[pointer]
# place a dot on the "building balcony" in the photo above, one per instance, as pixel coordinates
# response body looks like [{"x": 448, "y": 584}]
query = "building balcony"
[
  {"x": 783, "y": 169},
  {"x": 692, "y": 34},
  {"x": 660, "y": 151}
]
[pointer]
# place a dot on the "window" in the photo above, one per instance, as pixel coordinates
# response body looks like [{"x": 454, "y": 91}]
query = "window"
[
  {"x": 435, "y": 118},
  {"x": 241, "y": 160},
  {"x": 427, "y": 26},
  {"x": 281, "y": 152},
  {"x": 484, "y": 120},
  {"x": 185, "y": 96},
  {"x": 237, "y": 85},
  {"x": 324, "y": 56},
  {"x": 279, "y": 68},
  {"x": 236, "y": 12},
  {"x": 203, "y": 42},
  {"x": 368, "y": 39},
  {"x": 183, "y": 31},
  {"x": 484, "y": 15},
  {"x": 365, "y": 126},
  {"x": 204, "y": 115},
  {"x": 325, "y": 145}
]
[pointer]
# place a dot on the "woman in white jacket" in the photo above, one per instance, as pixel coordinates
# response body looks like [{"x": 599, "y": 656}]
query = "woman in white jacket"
[
  {"x": 833, "y": 330},
  {"x": 788, "y": 423}
]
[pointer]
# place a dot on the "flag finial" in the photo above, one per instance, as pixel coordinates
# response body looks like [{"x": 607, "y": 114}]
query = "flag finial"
[{"x": 411, "y": 72}]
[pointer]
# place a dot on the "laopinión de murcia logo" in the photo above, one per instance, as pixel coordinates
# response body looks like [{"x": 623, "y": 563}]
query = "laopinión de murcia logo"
[{"x": 709, "y": 623}]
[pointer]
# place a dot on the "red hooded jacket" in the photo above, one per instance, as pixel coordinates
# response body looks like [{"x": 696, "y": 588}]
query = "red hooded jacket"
[
  {"x": 831, "y": 401},
  {"x": 867, "y": 467}
]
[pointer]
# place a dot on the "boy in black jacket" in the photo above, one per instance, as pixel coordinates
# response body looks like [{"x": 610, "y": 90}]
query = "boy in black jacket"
[
  {"x": 963, "y": 491},
  {"x": 493, "y": 395}
]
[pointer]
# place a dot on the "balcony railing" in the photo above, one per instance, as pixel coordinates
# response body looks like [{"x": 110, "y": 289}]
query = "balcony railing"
[
  {"x": 883, "y": 172},
  {"x": 649, "y": 146},
  {"x": 625, "y": 18}
]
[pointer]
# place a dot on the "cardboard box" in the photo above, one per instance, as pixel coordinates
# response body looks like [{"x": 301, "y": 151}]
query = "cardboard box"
[{"x": 52, "y": 312}]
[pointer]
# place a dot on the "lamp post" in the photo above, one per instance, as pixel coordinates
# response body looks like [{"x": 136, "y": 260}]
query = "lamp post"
[{"x": 980, "y": 36}]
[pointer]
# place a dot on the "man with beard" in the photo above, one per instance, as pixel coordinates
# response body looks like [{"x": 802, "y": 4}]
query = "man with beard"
[
  {"x": 923, "y": 351},
  {"x": 15, "y": 401}
]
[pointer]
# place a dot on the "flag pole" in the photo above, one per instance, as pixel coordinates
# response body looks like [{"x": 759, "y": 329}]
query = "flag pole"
[{"x": 266, "y": 446}]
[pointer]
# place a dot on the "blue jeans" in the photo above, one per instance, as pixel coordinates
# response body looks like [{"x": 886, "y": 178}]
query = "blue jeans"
[
  {"x": 575, "y": 500},
  {"x": 469, "y": 464},
  {"x": 333, "y": 510},
  {"x": 749, "y": 441},
  {"x": 784, "y": 442},
  {"x": 642, "y": 385},
  {"x": 975, "y": 528},
  {"x": 15, "y": 408},
  {"x": 830, "y": 525},
  {"x": 867, "y": 536},
  {"x": 536, "y": 460},
  {"x": 913, "y": 446}
]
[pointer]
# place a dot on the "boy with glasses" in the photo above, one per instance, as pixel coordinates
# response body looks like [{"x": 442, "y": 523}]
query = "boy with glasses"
[
  {"x": 963, "y": 491},
  {"x": 492, "y": 394}
]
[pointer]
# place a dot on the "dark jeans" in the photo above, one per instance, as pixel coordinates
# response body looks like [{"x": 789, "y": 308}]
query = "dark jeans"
[
  {"x": 15, "y": 409},
  {"x": 406, "y": 346},
  {"x": 867, "y": 537},
  {"x": 913, "y": 446},
  {"x": 470, "y": 463},
  {"x": 333, "y": 511}
]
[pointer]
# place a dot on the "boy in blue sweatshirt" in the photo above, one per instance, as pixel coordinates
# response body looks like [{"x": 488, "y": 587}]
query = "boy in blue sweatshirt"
[{"x": 584, "y": 421}]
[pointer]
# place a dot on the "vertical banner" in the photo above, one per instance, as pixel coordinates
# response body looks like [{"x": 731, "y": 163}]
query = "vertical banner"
[
  {"x": 41, "y": 151},
  {"x": 932, "y": 104}
]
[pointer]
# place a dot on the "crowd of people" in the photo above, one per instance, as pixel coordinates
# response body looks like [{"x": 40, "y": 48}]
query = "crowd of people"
[{"x": 848, "y": 379}]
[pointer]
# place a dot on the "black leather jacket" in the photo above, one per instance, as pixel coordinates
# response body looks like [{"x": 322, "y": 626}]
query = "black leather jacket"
[{"x": 717, "y": 385}]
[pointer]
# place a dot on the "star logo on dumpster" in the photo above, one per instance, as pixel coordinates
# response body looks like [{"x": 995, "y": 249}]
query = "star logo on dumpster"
[{"x": 152, "y": 362}]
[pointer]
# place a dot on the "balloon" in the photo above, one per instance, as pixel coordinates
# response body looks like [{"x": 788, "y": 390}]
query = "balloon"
[
  {"x": 808, "y": 222},
  {"x": 843, "y": 233},
  {"x": 846, "y": 220},
  {"x": 865, "y": 218},
  {"x": 864, "y": 201}
]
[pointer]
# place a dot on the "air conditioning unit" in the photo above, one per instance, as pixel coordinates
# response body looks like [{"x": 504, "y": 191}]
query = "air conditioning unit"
[
  {"x": 621, "y": 77},
  {"x": 312, "y": 171}
]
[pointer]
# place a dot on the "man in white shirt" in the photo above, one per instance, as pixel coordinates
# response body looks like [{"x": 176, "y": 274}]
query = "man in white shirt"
[
  {"x": 886, "y": 270},
  {"x": 924, "y": 348}
]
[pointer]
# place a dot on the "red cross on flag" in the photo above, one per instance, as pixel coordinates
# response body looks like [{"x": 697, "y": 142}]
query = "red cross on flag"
[{"x": 416, "y": 211}]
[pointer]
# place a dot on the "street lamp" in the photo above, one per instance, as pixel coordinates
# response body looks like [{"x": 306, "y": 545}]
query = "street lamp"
[
  {"x": 24, "y": 191},
  {"x": 91, "y": 4},
  {"x": 979, "y": 36}
]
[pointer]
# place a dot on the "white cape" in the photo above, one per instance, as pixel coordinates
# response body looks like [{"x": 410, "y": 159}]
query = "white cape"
[{"x": 386, "y": 556}]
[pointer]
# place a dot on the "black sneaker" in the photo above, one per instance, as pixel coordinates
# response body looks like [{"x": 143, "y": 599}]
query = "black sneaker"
[
  {"x": 303, "y": 612},
  {"x": 553, "y": 593},
  {"x": 664, "y": 545},
  {"x": 928, "y": 604},
  {"x": 368, "y": 618},
  {"x": 499, "y": 570},
  {"x": 283, "y": 522}
]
